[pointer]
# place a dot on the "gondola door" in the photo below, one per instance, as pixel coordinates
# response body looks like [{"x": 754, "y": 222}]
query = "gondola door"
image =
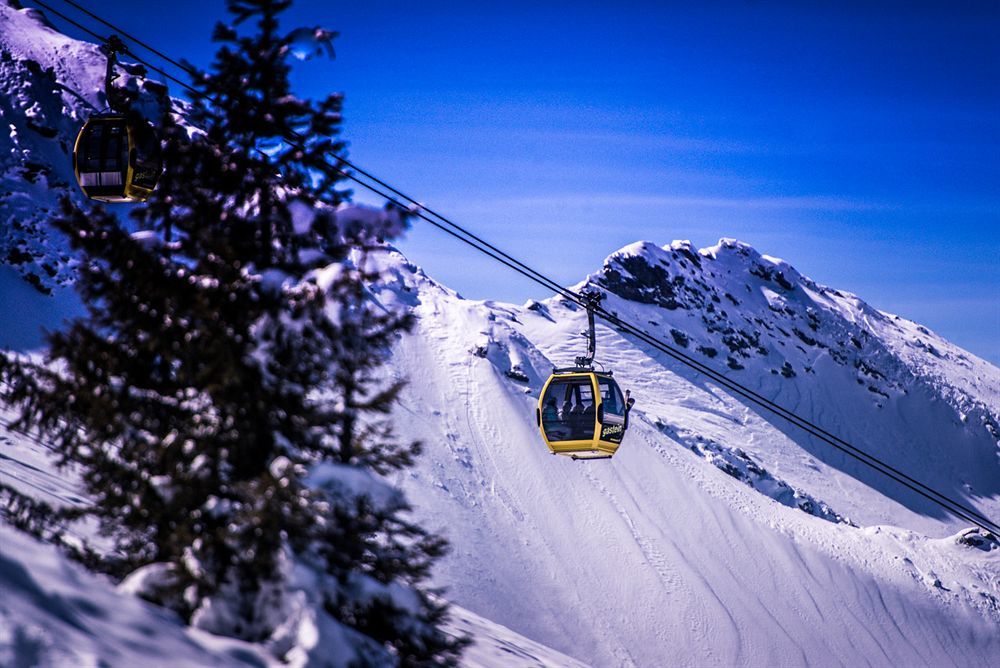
[{"x": 612, "y": 413}]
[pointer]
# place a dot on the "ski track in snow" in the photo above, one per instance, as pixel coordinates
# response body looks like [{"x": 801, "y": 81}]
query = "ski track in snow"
[{"x": 655, "y": 558}]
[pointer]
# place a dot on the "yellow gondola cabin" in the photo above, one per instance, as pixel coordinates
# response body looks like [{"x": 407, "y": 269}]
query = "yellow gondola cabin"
[
  {"x": 582, "y": 414},
  {"x": 117, "y": 159}
]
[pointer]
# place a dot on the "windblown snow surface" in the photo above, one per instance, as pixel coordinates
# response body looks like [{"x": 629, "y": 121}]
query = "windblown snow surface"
[
  {"x": 717, "y": 536},
  {"x": 55, "y": 613}
]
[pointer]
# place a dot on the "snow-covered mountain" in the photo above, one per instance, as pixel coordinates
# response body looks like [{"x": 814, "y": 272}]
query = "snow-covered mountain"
[
  {"x": 718, "y": 535},
  {"x": 49, "y": 84}
]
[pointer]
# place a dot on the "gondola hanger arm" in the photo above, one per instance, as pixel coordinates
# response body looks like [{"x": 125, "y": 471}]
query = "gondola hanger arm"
[
  {"x": 591, "y": 300},
  {"x": 112, "y": 46}
]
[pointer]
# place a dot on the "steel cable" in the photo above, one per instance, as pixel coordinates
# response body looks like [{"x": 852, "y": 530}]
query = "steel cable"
[{"x": 441, "y": 222}]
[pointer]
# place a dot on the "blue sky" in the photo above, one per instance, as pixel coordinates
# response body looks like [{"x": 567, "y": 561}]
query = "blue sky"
[{"x": 858, "y": 140}]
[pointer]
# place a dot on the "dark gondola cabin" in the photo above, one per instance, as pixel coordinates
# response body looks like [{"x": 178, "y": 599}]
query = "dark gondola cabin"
[
  {"x": 582, "y": 414},
  {"x": 117, "y": 158}
]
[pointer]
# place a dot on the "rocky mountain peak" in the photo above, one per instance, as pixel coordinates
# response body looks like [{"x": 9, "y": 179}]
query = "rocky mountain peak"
[{"x": 757, "y": 314}]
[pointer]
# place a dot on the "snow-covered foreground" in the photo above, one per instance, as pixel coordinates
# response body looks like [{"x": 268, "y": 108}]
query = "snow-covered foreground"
[{"x": 53, "y": 612}]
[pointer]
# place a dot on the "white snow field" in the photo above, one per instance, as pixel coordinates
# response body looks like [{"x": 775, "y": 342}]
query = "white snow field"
[
  {"x": 717, "y": 536},
  {"x": 55, "y": 613},
  {"x": 712, "y": 538},
  {"x": 658, "y": 557}
]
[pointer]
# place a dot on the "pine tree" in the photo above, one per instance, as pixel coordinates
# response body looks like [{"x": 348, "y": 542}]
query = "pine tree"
[{"x": 219, "y": 398}]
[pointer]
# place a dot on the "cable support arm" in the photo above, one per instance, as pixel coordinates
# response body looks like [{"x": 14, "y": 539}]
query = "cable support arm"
[
  {"x": 112, "y": 46},
  {"x": 591, "y": 301}
]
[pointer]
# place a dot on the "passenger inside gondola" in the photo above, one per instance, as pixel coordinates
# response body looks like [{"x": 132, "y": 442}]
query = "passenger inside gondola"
[
  {"x": 611, "y": 398},
  {"x": 576, "y": 419},
  {"x": 551, "y": 421}
]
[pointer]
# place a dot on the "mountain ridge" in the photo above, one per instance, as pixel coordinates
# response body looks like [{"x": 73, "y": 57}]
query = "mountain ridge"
[
  {"x": 792, "y": 326},
  {"x": 477, "y": 367}
]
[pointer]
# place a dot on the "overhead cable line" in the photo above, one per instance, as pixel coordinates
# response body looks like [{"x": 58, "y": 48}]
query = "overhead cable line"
[
  {"x": 513, "y": 262},
  {"x": 508, "y": 260},
  {"x": 103, "y": 38},
  {"x": 441, "y": 222},
  {"x": 138, "y": 41},
  {"x": 958, "y": 509},
  {"x": 340, "y": 159}
]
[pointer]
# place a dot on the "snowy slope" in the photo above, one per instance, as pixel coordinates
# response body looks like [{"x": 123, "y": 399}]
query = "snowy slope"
[
  {"x": 49, "y": 84},
  {"x": 55, "y": 613},
  {"x": 661, "y": 557},
  {"x": 717, "y": 536},
  {"x": 878, "y": 381},
  {"x": 665, "y": 555}
]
